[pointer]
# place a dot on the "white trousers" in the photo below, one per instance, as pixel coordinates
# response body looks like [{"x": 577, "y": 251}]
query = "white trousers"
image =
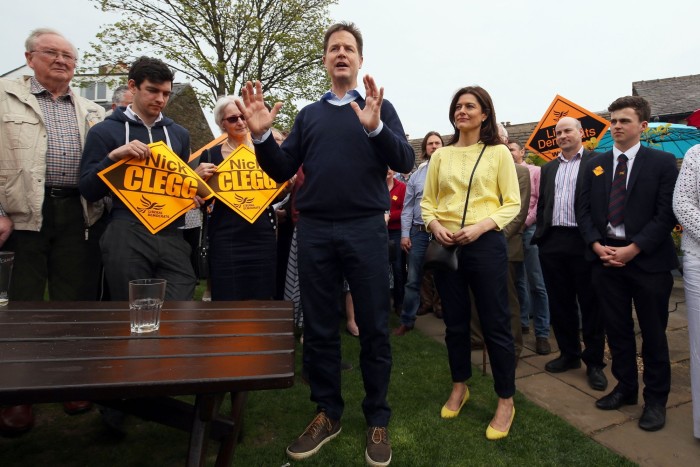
[{"x": 691, "y": 279}]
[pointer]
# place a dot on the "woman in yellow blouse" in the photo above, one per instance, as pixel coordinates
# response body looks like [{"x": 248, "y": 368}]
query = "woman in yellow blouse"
[{"x": 494, "y": 201}]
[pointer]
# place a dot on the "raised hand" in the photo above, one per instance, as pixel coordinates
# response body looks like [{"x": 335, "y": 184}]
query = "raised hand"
[
  {"x": 257, "y": 117},
  {"x": 374, "y": 96}
]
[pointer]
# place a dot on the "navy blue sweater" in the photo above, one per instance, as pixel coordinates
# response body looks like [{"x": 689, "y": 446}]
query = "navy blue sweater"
[
  {"x": 108, "y": 135},
  {"x": 345, "y": 170}
]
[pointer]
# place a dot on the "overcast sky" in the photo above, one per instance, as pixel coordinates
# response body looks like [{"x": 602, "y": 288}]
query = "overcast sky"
[{"x": 523, "y": 53}]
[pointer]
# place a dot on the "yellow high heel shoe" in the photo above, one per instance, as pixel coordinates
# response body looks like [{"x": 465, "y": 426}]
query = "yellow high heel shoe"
[
  {"x": 447, "y": 413},
  {"x": 494, "y": 434}
]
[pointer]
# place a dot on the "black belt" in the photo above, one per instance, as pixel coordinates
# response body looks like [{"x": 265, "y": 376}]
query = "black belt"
[
  {"x": 420, "y": 227},
  {"x": 61, "y": 192}
]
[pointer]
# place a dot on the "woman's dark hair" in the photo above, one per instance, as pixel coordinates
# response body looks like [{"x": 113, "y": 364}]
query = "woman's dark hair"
[
  {"x": 489, "y": 127},
  {"x": 424, "y": 143}
]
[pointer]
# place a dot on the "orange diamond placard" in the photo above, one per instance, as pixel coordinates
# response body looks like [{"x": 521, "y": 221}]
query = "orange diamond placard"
[
  {"x": 543, "y": 138},
  {"x": 157, "y": 190},
  {"x": 242, "y": 185}
]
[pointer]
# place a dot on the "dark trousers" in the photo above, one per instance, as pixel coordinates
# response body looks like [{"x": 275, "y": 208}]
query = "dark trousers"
[
  {"x": 398, "y": 268},
  {"x": 356, "y": 249},
  {"x": 191, "y": 236},
  {"x": 567, "y": 277},
  {"x": 61, "y": 253},
  {"x": 650, "y": 292},
  {"x": 483, "y": 267},
  {"x": 130, "y": 251},
  {"x": 477, "y": 336}
]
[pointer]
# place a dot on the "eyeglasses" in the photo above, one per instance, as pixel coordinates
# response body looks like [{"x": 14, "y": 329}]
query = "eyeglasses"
[
  {"x": 54, "y": 54},
  {"x": 234, "y": 118}
]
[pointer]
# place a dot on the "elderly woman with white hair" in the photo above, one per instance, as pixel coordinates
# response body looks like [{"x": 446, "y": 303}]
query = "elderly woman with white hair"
[{"x": 242, "y": 255}]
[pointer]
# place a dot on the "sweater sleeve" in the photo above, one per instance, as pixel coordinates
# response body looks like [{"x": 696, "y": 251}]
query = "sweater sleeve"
[
  {"x": 282, "y": 162},
  {"x": 394, "y": 146},
  {"x": 94, "y": 160},
  {"x": 509, "y": 187},
  {"x": 429, "y": 203},
  {"x": 686, "y": 198}
]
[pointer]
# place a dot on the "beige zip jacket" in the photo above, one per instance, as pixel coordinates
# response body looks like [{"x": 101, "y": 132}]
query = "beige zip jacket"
[{"x": 23, "y": 145}]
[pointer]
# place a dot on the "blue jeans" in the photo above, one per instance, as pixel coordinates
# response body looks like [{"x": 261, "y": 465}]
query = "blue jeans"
[
  {"x": 411, "y": 297},
  {"x": 532, "y": 292}
]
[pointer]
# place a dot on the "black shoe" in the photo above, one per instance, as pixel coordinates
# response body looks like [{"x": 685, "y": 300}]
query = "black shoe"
[
  {"x": 653, "y": 418},
  {"x": 596, "y": 378},
  {"x": 563, "y": 363},
  {"x": 615, "y": 400},
  {"x": 321, "y": 430}
]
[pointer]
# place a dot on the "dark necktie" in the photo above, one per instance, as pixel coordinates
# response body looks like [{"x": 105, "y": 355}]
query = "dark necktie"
[{"x": 616, "y": 207}]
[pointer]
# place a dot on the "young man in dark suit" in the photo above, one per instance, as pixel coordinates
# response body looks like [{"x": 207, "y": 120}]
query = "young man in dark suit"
[
  {"x": 625, "y": 214},
  {"x": 566, "y": 272}
]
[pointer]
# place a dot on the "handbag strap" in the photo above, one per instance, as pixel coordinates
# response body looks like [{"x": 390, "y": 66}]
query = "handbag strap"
[
  {"x": 464, "y": 215},
  {"x": 205, "y": 215}
]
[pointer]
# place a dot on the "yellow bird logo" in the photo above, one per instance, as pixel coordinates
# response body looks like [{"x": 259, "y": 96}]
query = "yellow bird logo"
[
  {"x": 241, "y": 200},
  {"x": 148, "y": 205}
]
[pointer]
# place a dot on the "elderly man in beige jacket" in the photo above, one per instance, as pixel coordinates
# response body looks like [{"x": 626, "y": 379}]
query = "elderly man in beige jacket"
[{"x": 53, "y": 232}]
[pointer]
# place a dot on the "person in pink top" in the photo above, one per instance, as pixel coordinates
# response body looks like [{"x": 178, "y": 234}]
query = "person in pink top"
[{"x": 532, "y": 292}]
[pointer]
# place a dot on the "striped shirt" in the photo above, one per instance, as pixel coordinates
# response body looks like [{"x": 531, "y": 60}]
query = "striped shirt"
[
  {"x": 563, "y": 214},
  {"x": 64, "y": 146}
]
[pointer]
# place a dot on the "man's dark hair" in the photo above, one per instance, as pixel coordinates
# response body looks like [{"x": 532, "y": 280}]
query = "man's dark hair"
[
  {"x": 640, "y": 106},
  {"x": 343, "y": 26},
  {"x": 489, "y": 127},
  {"x": 512, "y": 141},
  {"x": 424, "y": 143},
  {"x": 151, "y": 69}
]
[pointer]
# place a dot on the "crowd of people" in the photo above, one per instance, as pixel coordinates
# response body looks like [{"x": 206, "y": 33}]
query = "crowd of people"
[{"x": 572, "y": 245}]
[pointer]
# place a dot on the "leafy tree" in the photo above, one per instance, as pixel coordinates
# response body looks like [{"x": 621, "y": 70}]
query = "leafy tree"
[
  {"x": 221, "y": 44},
  {"x": 535, "y": 159}
]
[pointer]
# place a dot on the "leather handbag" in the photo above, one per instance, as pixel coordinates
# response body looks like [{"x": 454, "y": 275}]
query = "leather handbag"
[
  {"x": 439, "y": 256},
  {"x": 202, "y": 253},
  {"x": 445, "y": 257}
]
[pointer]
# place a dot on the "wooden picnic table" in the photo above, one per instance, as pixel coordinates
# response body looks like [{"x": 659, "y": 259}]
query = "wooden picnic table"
[{"x": 65, "y": 351}]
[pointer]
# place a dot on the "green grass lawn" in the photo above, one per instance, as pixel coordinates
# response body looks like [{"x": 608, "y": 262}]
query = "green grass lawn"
[{"x": 420, "y": 384}]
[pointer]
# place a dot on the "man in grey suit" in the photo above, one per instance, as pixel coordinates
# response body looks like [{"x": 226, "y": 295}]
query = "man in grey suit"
[{"x": 567, "y": 274}]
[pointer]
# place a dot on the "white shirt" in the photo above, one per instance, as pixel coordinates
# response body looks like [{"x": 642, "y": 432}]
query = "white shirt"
[{"x": 619, "y": 231}]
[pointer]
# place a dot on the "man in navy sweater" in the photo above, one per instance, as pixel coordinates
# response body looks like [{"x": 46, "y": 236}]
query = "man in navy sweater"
[{"x": 341, "y": 230}]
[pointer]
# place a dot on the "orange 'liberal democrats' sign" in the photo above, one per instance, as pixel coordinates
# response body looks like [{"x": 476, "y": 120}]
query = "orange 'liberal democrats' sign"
[
  {"x": 242, "y": 185},
  {"x": 543, "y": 138},
  {"x": 158, "y": 189}
]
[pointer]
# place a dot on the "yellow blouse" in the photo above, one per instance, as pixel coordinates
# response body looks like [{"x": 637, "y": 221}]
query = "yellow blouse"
[{"x": 495, "y": 192}]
